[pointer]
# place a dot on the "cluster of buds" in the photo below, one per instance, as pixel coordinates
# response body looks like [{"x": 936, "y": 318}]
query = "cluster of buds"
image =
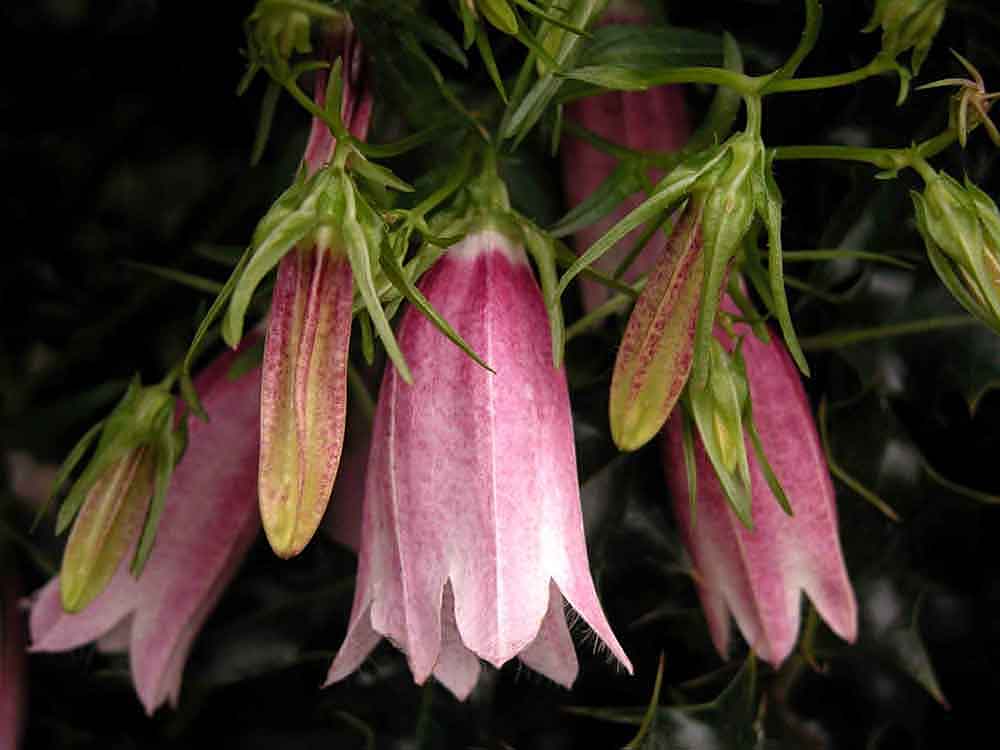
[{"x": 960, "y": 225}]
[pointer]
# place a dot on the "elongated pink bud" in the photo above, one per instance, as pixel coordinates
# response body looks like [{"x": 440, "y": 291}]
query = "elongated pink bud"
[
  {"x": 655, "y": 356},
  {"x": 304, "y": 387},
  {"x": 209, "y": 520},
  {"x": 303, "y": 394},
  {"x": 758, "y": 576},
  {"x": 472, "y": 536},
  {"x": 651, "y": 120}
]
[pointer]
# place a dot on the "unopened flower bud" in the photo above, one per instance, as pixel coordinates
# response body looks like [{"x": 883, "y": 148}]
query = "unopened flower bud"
[
  {"x": 116, "y": 490},
  {"x": 908, "y": 24},
  {"x": 961, "y": 229},
  {"x": 282, "y": 30},
  {"x": 655, "y": 357}
]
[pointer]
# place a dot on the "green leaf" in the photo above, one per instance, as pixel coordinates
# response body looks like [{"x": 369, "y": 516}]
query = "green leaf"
[
  {"x": 728, "y": 722},
  {"x": 268, "y": 106},
  {"x": 168, "y": 450},
  {"x": 614, "y": 77},
  {"x": 625, "y": 180},
  {"x": 489, "y": 61},
  {"x": 528, "y": 104},
  {"x": 647, "y": 46},
  {"x": 835, "y": 469},
  {"x": 668, "y": 191},
  {"x": 769, "y": 208},
  {"x": 277, "y": 240},
  {"x": 69, "y": 464},
  {"x": 188, "y": 391},
  {"x": 733, "y": 483},
  {"x": 394, "y": 271},
  {"x": 542, "y": 250},
  {"x": 363, "y": 237},
  {"x": 644, "y": 738},
  {"x": 191, "y": 280},
  {"x": 367, "y": 338}
]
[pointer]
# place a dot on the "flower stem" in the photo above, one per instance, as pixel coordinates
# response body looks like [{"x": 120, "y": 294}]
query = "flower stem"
[{"x": 880, "y": 64}]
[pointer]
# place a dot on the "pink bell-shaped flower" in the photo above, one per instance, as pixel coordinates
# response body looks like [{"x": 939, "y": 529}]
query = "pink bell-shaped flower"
[
  {"x": 209, "y": 520},
  {"x": 759, "y": 574},
  {"x": 651, "y": 120},
  {"x": 472, "y": 535}
]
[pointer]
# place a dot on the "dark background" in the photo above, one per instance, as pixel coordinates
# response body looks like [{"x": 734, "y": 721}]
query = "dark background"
[{"x": 123, "y": 140}]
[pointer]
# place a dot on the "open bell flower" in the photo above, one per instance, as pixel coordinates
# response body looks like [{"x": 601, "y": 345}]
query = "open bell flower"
[
  {"x": 472, "y": 535},
  {"x": 209, "y": 520},
  {"x": 758, "y": 575},
  {"x": 304, "y": 388},
  {"x": 651, "y": 120}
]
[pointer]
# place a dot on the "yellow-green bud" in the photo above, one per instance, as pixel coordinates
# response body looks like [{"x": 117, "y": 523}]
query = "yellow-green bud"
[{"x": 961, "y": 229}]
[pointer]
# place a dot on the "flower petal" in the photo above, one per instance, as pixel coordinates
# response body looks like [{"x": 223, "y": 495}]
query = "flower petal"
[
  {"x": 208, "y": 524},
  {"x": 552, "y": 653}
]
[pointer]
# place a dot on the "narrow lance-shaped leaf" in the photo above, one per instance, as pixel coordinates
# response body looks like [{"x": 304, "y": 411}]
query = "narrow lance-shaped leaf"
[
  {"x": 544, "y": 253},
  {"x": 116, "y": 440},
  {"x": 489, "y": 62},
  {"x": 75, "y": 456},
  {"x": 769, "y": 208},
  {"x": 718, "y": 410},
  {"x": 620, "y": 184},
  {"x": 279, "y": 237},
  {"x": 188, "y": 391},
  {"x": 168, "y": 451},
  {"x": 729, "y": 212},
  {"x": 669, "y": 191},
  {"x": 359, "y": 253},
  {"x": 399, "y": 278}
]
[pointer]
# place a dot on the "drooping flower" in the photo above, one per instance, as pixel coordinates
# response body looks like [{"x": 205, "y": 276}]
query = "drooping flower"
[
  {"x": 209, "y": 520},
  {"x": 472, "y": 535},
  {"x": 651, "y": 120},
  {"x": 303, "y": 394},
  {"x": 758, "y": 575}
]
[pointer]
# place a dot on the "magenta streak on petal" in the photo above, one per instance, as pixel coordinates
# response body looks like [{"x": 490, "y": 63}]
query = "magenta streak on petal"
[
  {"x": 472, "y": 482},
  {"x": 758, "y": 575},
  {"x": 209, "y": 520}
]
